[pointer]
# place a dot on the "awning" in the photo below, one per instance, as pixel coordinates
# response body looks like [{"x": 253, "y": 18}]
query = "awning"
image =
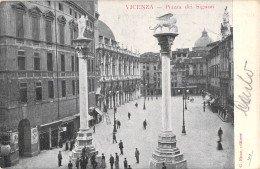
[
  {"x": 68, "y": 119},
  {"x": 53, "y": 125},
  {"x": 99, "y": 111},
  {"x": 98, "y": 90}
]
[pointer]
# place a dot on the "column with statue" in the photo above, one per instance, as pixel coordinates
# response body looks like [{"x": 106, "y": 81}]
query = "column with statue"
[
  {"x": 167, "y": 151},
  {"x": 84, "y": 136}
]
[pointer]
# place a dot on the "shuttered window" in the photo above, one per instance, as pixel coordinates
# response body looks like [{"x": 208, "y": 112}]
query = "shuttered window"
[
  {"x": 61, "y": 34},
  {"x": 49, "y": 62},
  {"x": 62, "y": 63},
  {"x": 36, "y": 28},
  {"x": 48, "y": 31},
  {"x": 19, "y": 25},
  {"x": 63, "y": 88}
]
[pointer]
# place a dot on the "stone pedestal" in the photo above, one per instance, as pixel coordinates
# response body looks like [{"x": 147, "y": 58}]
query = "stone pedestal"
[
  {"x": 167, "y": 151},
  {"x": 84, "y": 137}
]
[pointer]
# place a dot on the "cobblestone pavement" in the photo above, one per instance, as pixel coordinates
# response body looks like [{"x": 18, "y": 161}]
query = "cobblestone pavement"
[{"x": 198, "y": 146}]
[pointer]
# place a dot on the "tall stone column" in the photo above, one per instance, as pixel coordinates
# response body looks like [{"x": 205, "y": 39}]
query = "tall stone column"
[
  {"x": 167, "y": 150},
  {"x": 84, "y": 137}
]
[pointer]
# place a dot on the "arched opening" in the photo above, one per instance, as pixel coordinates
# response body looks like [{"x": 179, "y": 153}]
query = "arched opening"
[{"x": 24, "y": 137}]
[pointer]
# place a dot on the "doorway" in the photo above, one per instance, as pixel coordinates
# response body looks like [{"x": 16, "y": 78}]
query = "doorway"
[{"x": 24, "y": 137}]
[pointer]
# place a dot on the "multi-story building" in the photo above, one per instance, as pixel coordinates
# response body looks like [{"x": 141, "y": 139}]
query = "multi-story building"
[
  {"x": 39, "y": 72},
  {"x": 149, "y": 73},
  {"x": 119, "y": 70},
  {"x": 221, "y": 76}
]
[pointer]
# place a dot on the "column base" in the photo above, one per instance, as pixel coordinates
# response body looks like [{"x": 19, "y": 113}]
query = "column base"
[
  {"x": 84, "y": 138},
  {"x": 168, "y": 153}
]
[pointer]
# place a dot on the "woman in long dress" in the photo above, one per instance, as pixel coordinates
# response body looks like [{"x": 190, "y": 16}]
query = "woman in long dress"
[
  {"x": 103, "y": 161},
  {"x": 116, "y": 164}
]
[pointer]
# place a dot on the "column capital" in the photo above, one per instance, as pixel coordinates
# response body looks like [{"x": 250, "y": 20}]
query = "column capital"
[{"x": 165, "y": 41}]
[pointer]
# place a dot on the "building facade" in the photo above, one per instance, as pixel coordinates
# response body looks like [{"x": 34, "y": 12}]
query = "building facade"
[
  {"x": 39, "y": 103},
  {"x": 151, "y": 80},
  {"x": 119, "y": 71},
  {"x": 221, "y": 72}
]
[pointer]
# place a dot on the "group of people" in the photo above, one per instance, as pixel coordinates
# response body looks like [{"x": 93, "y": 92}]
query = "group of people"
[{"x": 114, "y": 161}]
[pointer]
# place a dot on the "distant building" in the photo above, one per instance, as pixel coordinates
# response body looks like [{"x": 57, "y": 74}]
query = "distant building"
[
  {"x": 220, "y": 80},
  {"x": 39, "y": 102},
  {"x": 151, "y": 81},
  {"x": 119, "y": 70}
]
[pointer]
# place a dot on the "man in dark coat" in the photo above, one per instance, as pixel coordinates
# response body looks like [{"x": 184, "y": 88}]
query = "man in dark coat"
[
  {"x": 59, "y": 158},
  {"x": 118, "y": 124},
  {"x": 70, "y": 165},
  {"x": 93, "y": 161},
  {"x": 111, "y": 161},
  {"x": 121, "y": 146},
  {"x": 137, "y": 155},
  {"x": 125, "y": 164},
  {"x": 84, "y": 150},
  {"x": 144, "y": 124},
  {"x": 117, "y": 157},
  {"x": 220, "y": 132},
  {"x": 114, "y": 137},
  {"x": 129, "y": 115},
  {"x": 82, "y": 162},
  {"x": 77, "y": 163},
  {"x": 204, "y": 106},
  {"x": 129, "y": 167}
]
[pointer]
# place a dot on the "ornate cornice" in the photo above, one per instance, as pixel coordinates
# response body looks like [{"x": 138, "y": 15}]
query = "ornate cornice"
[
  {"x": 35, "y": 11},
  {"x": 48, "y": 15},
  {"x": 19, "y": 7}
]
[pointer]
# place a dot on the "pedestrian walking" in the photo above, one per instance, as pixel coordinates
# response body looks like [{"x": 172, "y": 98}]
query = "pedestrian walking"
[
  {"x": 111, "y": 161},
  {"x": 93, "y": 161},
  {"x": 129, "y": 167},
  {"x": 163, "y": 166},
  {"x": 59, "y": 158},
  {"x": 103, "y": 161},
  {"x": 117, "y": 163},
  {"x": 129, "y": 115},
  {"x": 118, "y": 124},
  {"x": 117, "y": 156},
  {"x": 145, "y": 124},
  {"x": 121, "y": 146},
  {"x": 136, "y": 104},
  {"x": 125, "y": 164},
  {"x": 94, "y": 129},
  {"x": 70, "y": 165},
  {"x": 84, "y": 150},
  {"x": 220, "y": 132},
  {"x": 77, "y": 163},
  {"x": 67, "y": 145},
  {"x": 82, "y": 162},
  {"x": 114, "y": 137},
  {"x": 204, "y": 106},
  {"x": 137, "y": 155}
]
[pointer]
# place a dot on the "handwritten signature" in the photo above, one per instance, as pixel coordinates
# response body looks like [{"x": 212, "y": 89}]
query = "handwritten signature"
[
  {"x": 250, "y": 157},
  {"x": 245, "y": 97}
]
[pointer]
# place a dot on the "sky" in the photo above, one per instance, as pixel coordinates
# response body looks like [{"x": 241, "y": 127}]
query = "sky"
[{"x": 131, "y": 26}]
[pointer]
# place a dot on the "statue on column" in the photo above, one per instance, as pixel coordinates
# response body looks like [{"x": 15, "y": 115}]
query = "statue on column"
[
  {"x": 82, "y": 24},
  {"x": 225, "y": 26},
  {"x": 166, "y": 21}
]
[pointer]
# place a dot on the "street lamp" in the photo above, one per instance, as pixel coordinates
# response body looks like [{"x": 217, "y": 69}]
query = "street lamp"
[
  {"x": 183, "y": 124},
  {"x": 144, "y": 97},
  {"x": 185, "y": 97},
  {"x": 114, "y": 95}
]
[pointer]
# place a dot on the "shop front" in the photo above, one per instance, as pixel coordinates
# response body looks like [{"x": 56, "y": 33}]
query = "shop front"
[{"x": 49, "y": 135}]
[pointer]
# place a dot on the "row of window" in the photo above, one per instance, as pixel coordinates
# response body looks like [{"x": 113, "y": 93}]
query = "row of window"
[
  {"x": 48, "y": 28},
  {"x": 50, "y": 86},
  {"x": 74, "y": 65}
]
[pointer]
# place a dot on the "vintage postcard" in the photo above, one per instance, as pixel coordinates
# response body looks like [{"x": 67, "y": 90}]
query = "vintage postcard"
[{"x": 127, "y": 84}]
